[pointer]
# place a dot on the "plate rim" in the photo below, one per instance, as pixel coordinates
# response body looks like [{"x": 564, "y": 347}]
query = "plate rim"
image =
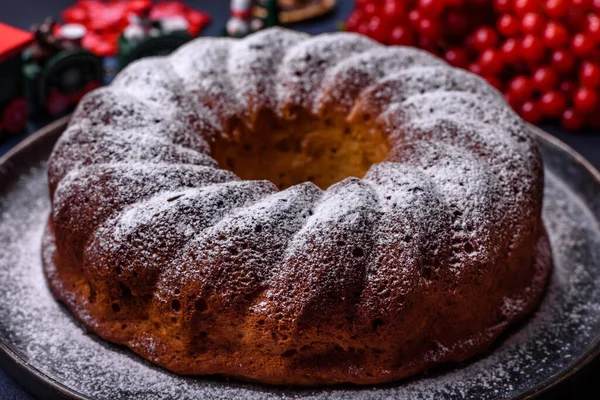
[{"x": 40, "y": 385}]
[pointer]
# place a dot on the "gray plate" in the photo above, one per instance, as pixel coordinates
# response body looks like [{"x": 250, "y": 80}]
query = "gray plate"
[{"x": 46, "y": 351}]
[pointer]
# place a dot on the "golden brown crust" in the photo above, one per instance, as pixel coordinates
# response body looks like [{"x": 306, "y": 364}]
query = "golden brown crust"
[{"x": 376, "y": 357}]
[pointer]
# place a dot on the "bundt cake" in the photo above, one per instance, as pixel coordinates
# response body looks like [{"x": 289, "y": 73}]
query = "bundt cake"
[{"x": 297, "y": 210}]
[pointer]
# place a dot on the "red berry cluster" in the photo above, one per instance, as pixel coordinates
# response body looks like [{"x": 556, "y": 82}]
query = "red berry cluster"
[{"x": 544, "y": 55}]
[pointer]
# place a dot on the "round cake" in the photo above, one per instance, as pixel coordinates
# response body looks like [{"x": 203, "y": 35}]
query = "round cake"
[{"x": 297, "y": 210}]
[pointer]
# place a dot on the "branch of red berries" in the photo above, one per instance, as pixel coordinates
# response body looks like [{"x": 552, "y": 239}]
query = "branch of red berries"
[{"x": 543, "y": 55}]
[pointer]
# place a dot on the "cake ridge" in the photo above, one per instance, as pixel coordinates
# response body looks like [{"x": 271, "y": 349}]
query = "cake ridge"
[
  {"x": 164, "y": 81},
  {"x": 368, "y": 66},
  {"x": 328, "y": 50}
]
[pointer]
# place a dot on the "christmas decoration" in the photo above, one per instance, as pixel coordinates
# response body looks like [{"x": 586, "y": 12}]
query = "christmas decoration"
[
  {"x": 243, "y": 20},
  {"x": 121, "y": 31},
  {"x": 543, "y": 55},
  {"x": 13, "y": 106},
  {"x": 249, "y": 16},
  {"x": 58, "y": 71},
  {"x": 290, "y": 11},
  {"x": 146, "y": 36}
]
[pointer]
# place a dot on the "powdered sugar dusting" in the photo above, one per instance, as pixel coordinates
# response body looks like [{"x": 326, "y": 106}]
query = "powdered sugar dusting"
[
  {"x": 41, "y": 332},
  {"x": 141, "y": 218},
  {"x": 344, "y": 81}
]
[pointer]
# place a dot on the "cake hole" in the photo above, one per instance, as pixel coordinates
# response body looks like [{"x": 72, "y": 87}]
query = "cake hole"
[
  {"x": 175, "y": 305},
  {"x": 201, "y": 305},
  {"x": 125, "y": 291},
  {"x": 469, "y": 247},
  {"x": 289, "y": 152},
  {"x": 377, "y": 322},
  {"x": 116, "y": 307},
  {"x": 358, "y": 252},
  {"x": 427, "y": 272},
  {"x": 170, "y": 199},
  {"x": 289, "y": 353},
  {"x": 92, "y": 297}
]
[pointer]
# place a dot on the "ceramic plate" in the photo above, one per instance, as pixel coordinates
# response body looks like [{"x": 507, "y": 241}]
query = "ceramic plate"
[{"x": 44, "y": 349}]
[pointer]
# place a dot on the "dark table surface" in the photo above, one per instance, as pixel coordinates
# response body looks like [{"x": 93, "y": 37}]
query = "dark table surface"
[{"x": 23, "y": 13}]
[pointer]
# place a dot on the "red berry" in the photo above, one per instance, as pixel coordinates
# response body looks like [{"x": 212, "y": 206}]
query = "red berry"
[
  {"x": 593, "y": 27},
  {"x": 572, "y": 119},
  {"x": 377, "y": 29},
  {"x": 589, "y": 74},
  {"x": 495, "y": 82},
  {"x": 532, "y": 49},
  {"x": 370, "y": 9},
  {"x": 562, "y": 61},
  {"x": 575, "y": 19},
  {"x": 503, "y": 6},
  {"x": 568, "y": 88},
  {"x": 555, "y": 35},
  {"x": 512, "y": 101},
  {"x": 522, "y": 7},
  {"x": 393, "y": 12},
  {"x": 596, "y": 5},
  {"x": 520, "y": 88},
  {"x": 508, "y": 25},
  {"x": 552, "y": 104},
  {"x": 557, "y": 8},
  {"x": 428, "y": 44},
  {"x": 401, "y": 36},
  {"x": 363, "y": 28},
  {"x": 456, "y": 24},
  {"x": 475, "y": 68},
  {"x": 582, "y": 45},
  {"x": 432, "y": 8},
  {"x": 532, "y": 23},
  {"x": 585, "y": 99},
  {"x": 544, "y": 79},
  {"x": 484, "y": 38},
  {"x": 354, "y": 20},
  {"x": 414, "y": 17},
  {"x": 510, "y": 50},
  {"x": 429, "y": 28},
  {"x": 530, "y": 113},
  {"x": 584, "y": 5},
  {"x": 491, "y": 62},
  {"x": 457, "y": 57}
]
